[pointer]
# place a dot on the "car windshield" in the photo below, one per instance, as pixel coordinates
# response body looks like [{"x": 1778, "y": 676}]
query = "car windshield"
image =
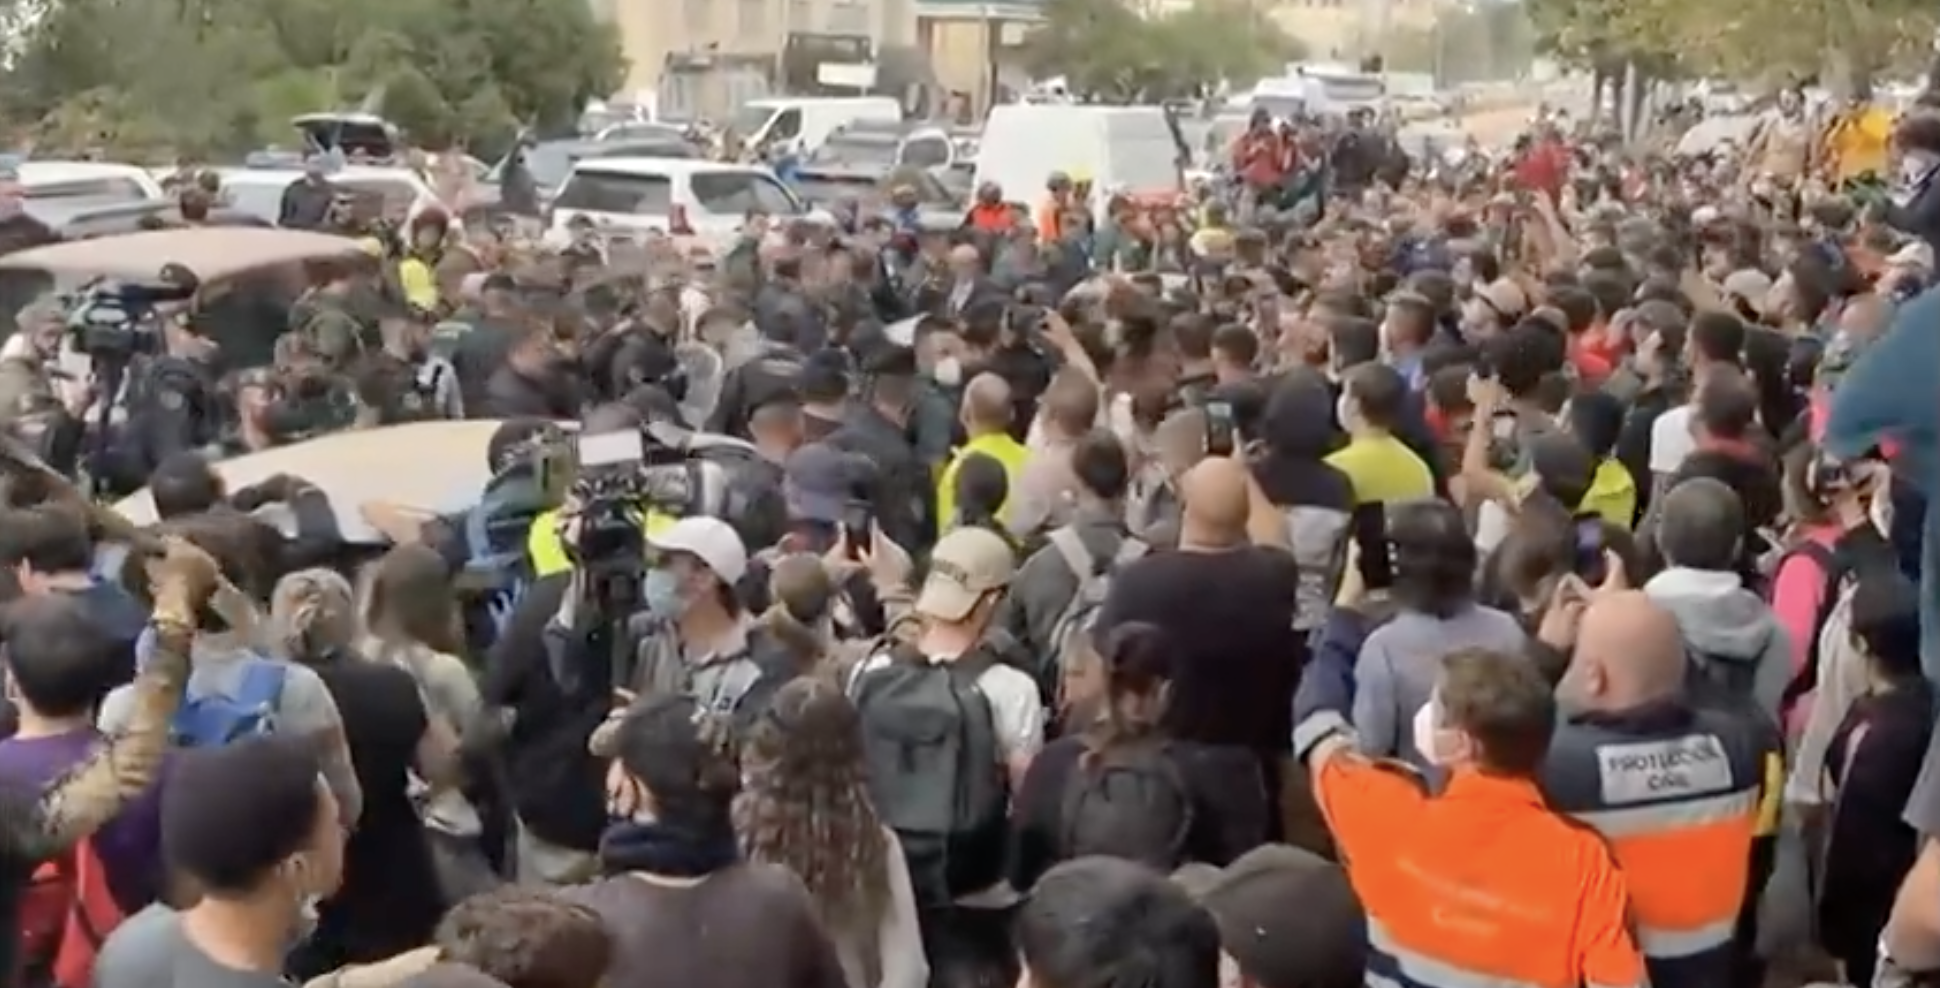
[
  {"x": 548, "y": 163},
  {"x": 750, "y": 119},
  {"x": 858, "y": 149}
]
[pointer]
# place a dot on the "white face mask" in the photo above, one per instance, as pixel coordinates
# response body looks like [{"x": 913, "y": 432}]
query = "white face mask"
[
  {"x": 1427, "y": 733},
  {"x": 948, "y": 372},
  {"x": 1344, "y": 411}
]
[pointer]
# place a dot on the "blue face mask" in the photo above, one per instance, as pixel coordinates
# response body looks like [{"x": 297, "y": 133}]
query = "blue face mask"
[{"x": 661, "y": 593}]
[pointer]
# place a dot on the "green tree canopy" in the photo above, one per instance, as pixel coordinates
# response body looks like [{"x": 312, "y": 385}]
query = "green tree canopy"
[
  {"x": 1104, "y": 48},
  {"x": 205, "y": 77}
]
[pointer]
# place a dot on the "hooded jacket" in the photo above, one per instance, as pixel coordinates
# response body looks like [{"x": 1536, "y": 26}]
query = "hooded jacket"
[{"x": 1730, "y": 634}]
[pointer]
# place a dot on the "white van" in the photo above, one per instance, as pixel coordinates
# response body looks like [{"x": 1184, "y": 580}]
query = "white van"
[
  {"x": 806, "y": 121},
  {"x": 1129, "y": 148},
  {"x": 99, "y": 182},
  {"x": 696, "y": 202}
]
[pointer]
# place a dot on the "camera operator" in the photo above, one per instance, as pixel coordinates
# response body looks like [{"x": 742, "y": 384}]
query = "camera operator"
[
  {"x": 172, "y": 401},
  {"x": 877, "y": 427}
]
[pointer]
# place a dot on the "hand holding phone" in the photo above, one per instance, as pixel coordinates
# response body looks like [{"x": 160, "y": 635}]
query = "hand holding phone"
[{"x": 1221, "y": 429}]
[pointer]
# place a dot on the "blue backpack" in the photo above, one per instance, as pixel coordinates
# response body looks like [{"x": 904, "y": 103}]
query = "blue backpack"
[{"x": 215, "y": 719}]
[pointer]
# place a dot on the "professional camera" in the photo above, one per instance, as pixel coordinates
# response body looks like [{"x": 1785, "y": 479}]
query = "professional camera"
[
  {"x": 111, "y": 320},
  {"x": 620, "y": 477}
]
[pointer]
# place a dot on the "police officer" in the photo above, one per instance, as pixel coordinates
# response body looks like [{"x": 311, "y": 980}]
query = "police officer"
[{"x": 172, "y": 407}]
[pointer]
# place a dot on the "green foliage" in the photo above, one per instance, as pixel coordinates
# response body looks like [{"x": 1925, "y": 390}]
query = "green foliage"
[
  {"x": 1491, "y": 40},
  {"x": 1762, "y": 40},
  {"x": 209, "y": 77},
  {"x": 1104, "y": 49}
]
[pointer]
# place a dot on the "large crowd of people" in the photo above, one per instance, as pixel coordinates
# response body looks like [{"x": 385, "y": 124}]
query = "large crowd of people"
[{"x": 1389, "y": 576}]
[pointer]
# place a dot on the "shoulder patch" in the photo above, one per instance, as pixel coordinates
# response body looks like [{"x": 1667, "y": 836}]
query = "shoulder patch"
[{"x": 171, "y": 399}]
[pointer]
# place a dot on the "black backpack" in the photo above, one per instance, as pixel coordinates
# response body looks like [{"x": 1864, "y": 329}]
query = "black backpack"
[
  {"x": 936, "y": 769},
  {"x": 1129, "y": 802}
]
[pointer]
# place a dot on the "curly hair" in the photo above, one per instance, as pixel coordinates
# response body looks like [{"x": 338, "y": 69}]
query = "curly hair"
[
  {"x": 313, "y": 613},
  {"x": 527, "y": 938},
  {"x": 805, "y": 804}
]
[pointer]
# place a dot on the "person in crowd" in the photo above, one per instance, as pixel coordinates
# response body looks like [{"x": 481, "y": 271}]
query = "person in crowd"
[
  {"x": 673, "y": 865},
  {"x": 1287, "y": 917},
  {"x": 986, "y": 420},
  {"x": 1713, "y": 340},
  {"x": 1418, "y": 860},
  {"x": 1096, "y": 542},
  {"x": 57, "y": 659},
  {"x": 227, "y": 654},
  {"x": 1509, "y": 417},
  {"x": 1596, "y": 419},
  {"x": 1102, "y": 922},
  {"x": 1689, "y": 849},
  {"x": 1229, "y": 608},
  {"x": 411, "y": 621},
  {"x": 1737, "y": 645},
  {"x": 51, "y": 554},
  {"x": 1118, "y": 786},
  {"x": 1871, "y": 765},
  {"x": 1430, "y": 565},
  {"x": 981, "y": 487},
  {"x": 805, "y": 805},
  {"x": 957, "y": 875},
  {"x": 1727, "y": 449},
  {"x": 1047, "y": 491},
  {"x": 389, "y": 900},
  {"x": 1382, "y": 469},
  {"x": 185, "y": 486},
  {"x": 1650, "y": 384},
  {"x": 256, "y": 834},
  {"x": 876, "y": 427}
]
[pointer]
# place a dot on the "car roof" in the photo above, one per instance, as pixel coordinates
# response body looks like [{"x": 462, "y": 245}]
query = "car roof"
[
  {"x": 629, "y": 165},
  {"x": 67, "y": 171},
  {"x": 269, "y": 176}
]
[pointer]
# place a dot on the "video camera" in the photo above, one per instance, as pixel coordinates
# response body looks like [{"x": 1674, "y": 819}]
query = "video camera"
[
  {"x": 109, "y": 320},
  {"x": 618, "y": 478}
]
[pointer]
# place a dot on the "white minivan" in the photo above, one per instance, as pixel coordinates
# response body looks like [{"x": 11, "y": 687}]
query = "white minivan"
[
  {"x": 697, "y": 201},
  {"x": 1131, "y": 148},
  {"x": 804, "y": 122}
]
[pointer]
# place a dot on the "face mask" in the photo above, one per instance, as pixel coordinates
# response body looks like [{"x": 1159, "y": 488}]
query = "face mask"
[
  {"x": 1343, "y": 411},
  {"x": 948, "y": 372},
  {"x": 661, "y": 593}
]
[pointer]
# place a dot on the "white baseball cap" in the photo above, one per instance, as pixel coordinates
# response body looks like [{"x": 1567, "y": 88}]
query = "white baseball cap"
[{"x": 710, "y": 540}]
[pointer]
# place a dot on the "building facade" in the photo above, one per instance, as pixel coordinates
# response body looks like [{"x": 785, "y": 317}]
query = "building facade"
[{"x": 655, "y": 33}]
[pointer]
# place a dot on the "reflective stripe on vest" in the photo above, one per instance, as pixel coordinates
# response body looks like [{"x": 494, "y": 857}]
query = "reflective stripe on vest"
[
  {"x": 1678, "y": 812},
  {"x": 1392, "y": 965}
]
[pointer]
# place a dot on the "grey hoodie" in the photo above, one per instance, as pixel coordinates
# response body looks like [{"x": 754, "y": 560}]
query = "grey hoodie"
[{"x": 1721, "y": 621}]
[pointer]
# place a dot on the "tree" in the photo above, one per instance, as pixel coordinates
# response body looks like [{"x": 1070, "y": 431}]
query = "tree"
[
  {"x": 1106, "y": 50},
  {"x": 1467, "y": 42},
  {"x": 207, "y": 77}
]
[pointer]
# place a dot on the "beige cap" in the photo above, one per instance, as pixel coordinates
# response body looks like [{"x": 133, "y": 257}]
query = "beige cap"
[{"x": 968, "y": 563}]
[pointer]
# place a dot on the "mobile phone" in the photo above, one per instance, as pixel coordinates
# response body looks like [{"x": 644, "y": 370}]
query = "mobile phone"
[
  {"x": 1590, "y": 563},
  {"x": 858, "y": 527},
  {"x": 1220, "y": 428},
  {"x": 1369, "y": 529}
]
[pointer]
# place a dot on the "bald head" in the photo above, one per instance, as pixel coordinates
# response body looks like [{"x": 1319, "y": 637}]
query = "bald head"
[
  {"x": 1214, "y": 493},
  {"x": 986, "y": 404},
  {"x": 1633, "y": 646}
]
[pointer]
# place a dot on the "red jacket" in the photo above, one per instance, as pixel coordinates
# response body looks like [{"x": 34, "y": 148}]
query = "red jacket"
[
  {"x": 991, "y": 217},
  {"x": 1263, "y": 158}
]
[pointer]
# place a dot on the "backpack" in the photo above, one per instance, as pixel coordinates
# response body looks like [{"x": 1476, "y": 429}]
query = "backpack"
[
  {"x": 496, "y": 570},
  {"x": 1837, "y": 591},
  {"x": 66, "y": 911},
  {"x": 214, "y": 719},
  {"x": 936, "y": 769},
  {"x": 1132, "y": 804},
  {"x": 1094, "y": 582}
]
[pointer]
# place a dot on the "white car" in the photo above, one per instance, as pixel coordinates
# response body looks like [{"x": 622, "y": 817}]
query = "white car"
[
  {"x": 258, "y": 191},
  {"x": 100, "y": 182},
  {"x": 695, "y": 201}
]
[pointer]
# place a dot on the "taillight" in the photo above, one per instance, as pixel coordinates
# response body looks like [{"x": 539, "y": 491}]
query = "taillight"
[{"x": 677, "y": 221}]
